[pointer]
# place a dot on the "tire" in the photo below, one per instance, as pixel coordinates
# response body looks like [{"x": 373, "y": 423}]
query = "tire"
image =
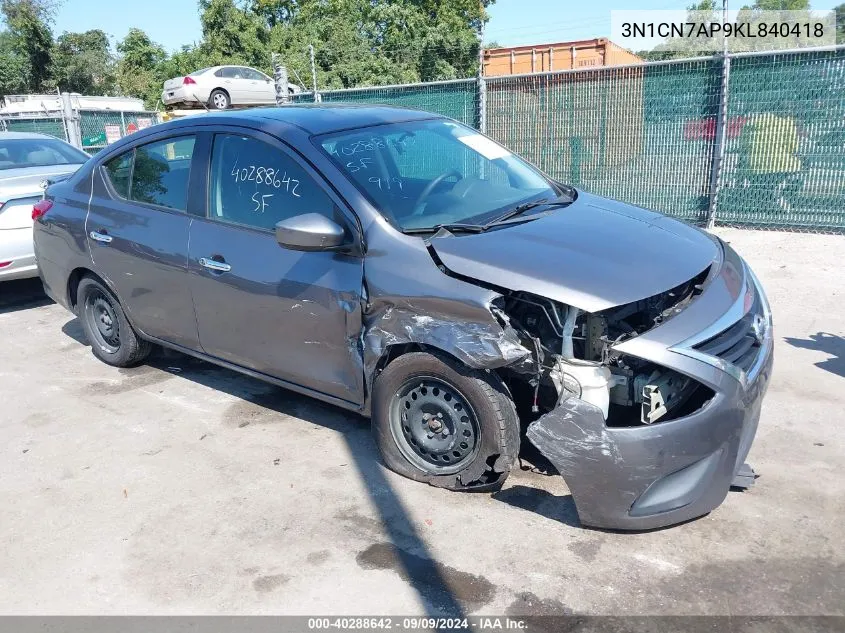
[
  {"x": 219, "y": 100},
  {"x": 444, "y": 385},
  {"x": 112, "y": 338}
]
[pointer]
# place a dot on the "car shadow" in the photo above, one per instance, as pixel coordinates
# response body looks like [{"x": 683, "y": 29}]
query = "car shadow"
[
  {"x": 22, "y": 294},
  {"x": 541, "y": 502},
  {"x": 73, "y": 329},
  {"x": 824, "y": 342},
  {"x": 410, "y": 556}
]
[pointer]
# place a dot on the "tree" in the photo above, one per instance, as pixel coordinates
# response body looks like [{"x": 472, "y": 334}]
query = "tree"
[
  {"x": 840, "y": 23},
  {"x": 140, "y": 66},
  {"x": 13, "y": 69},
  {"x": 233, "y": 35},
  {"x": 370, "y": 42},
  {"x": 30, "y": 41},
  {"x": 83, "y": 63}
]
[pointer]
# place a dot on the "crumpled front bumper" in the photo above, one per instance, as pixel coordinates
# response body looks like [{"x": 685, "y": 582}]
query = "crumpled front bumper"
[{"x": 645, "y": 477}]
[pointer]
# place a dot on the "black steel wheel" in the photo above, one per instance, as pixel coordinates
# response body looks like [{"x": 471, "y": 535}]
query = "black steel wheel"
[
  {"x": 105, "y": 326},
  {"x": 440, "y": 422},
  {"x": 112, "y": 338},
  {"x": 433, "y": 425}
]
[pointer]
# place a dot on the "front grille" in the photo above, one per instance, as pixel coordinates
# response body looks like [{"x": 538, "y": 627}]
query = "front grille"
[{"x": 739, "y": 344}]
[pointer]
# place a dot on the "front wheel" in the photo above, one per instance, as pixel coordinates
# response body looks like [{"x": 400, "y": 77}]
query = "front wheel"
[
  {"x": 112, "y": 339},
  {"x": 437, "y": 421}
]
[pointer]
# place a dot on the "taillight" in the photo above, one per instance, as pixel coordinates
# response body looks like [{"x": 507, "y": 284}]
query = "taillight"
[
  {"x": 187, "y": 81},
  {"x": 40, "y": 208}
]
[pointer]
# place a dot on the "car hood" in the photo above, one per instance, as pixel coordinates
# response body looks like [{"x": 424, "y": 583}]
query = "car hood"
[{"x": 593, "y": 254}]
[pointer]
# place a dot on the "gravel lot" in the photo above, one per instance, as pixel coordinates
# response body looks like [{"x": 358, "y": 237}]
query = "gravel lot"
[{"x": 179, "y": 487}]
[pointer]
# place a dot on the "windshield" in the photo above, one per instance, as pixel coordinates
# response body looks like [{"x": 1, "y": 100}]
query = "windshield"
[
  {"x": 37, "y": 152},
  {"x": 422, "y": 174}
]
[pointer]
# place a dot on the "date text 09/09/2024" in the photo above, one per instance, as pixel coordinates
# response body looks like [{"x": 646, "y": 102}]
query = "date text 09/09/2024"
[{"x": 474, "y": 623}]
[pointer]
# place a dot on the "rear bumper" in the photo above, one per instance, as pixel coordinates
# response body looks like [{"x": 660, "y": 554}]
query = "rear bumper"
[
  {"x": 647, "y": 477},
  {"x": 17, "y": 253},
  {"x": 178, "y": 95}
]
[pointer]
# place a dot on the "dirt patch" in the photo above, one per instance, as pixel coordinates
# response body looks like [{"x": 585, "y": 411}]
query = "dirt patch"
[{"x": 266, "y": 584}]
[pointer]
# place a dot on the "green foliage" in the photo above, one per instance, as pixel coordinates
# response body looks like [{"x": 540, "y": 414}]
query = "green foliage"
[
  {"x": 840, "y": 23},
  {"x": 30, "y": 41},
  {"x": 83, "y": 63},
  {"x": 370, "y": 42},
  {"x": 13, "y": 66},
  {"x": 139, "y": 67}
]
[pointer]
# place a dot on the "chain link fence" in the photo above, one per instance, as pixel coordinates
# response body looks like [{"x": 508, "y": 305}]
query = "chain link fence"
[
  {"x": 90, "y": 130},
  {"x": 458, "y": 99},
  {"x": 99, "y": 128},
  {"x": 656, "y": 134}
]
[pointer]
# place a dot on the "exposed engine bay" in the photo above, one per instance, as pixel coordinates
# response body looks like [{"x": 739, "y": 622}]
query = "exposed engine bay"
[{"x": 574, "y": 356}]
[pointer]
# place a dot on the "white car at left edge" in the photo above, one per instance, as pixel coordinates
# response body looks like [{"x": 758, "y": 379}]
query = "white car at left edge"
[{"x": 28, "y": 162}]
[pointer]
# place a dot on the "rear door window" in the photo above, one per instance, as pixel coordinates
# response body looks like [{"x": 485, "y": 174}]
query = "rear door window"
[{"x": 156, "y": 173}]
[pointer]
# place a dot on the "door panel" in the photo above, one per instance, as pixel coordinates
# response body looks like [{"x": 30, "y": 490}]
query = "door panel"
[
  {"x": 141, "y": 250},
  {"x": 289, "y": 314}
]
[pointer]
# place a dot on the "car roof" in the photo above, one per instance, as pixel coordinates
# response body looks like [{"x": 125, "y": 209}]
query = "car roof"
[
  {"x": 21, "y": 135},
  {"x": 320, "y": 118}
]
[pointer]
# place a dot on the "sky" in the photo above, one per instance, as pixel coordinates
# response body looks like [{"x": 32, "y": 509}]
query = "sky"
[{"x": 174, "y": 23}]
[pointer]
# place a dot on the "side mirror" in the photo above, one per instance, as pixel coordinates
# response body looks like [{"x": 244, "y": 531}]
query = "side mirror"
[{"x": 309, "y": 232}]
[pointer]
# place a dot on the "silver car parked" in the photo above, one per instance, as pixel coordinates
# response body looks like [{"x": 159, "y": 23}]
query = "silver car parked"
[
  {"x": 28, "y": 162},
  {"x": 221, "y": 87}
]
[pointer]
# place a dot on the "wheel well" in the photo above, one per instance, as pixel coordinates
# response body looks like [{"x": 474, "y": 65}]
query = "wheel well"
[
  {"x": 75, "y": 277},
  {"x": 400, "y": 349},
  {"x": 223, "y": 90}
]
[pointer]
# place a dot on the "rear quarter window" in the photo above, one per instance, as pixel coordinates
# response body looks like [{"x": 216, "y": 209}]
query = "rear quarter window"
[{"x": 119, "y": 169}]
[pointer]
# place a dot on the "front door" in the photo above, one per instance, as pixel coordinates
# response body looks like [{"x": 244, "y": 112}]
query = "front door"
[
  {"x": 137, "y": 232},
  {"x": 288, "y": 314}
]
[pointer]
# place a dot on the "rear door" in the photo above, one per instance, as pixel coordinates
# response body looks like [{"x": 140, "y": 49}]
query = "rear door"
[
  {"x": 289, "y": 314},
  {"x": 137, "y": 231},
  {"x": 237, "y": 85}
]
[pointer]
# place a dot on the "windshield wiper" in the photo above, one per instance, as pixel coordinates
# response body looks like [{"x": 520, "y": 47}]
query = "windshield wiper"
[
  {"x": 527, "y": 206},
  {"x": 452, "y": 228}
]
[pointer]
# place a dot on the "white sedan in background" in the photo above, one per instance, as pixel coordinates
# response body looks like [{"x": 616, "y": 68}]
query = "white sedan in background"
[
  {"x": 27, "y": 162},
  {"x": 221, "y": 87}
]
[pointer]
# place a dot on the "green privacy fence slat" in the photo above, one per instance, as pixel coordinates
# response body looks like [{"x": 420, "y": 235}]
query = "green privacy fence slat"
[
  {"x": 646, "y": 134},
  {"x": 629, "y": 133},
  {"x": 50, "y": 126},
  {"x": 458, "y": 100},
  {"x": 785, "y": 165}
]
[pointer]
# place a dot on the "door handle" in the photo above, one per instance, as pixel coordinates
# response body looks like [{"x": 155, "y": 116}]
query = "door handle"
[
  {"x": 213, "y": 264},
  {"x": 101, "y": 236}
]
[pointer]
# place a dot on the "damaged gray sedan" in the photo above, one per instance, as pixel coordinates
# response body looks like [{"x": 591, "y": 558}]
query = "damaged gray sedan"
[{"x": 404, "y": 266}]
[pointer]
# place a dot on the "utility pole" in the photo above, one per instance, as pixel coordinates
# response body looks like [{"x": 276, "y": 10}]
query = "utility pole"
[
  {"x": 717, "y": 166},
  {"x": 280, "y": 77},
  {"x": 482, "y": 83},
  {"x": 313, "y": 73}
]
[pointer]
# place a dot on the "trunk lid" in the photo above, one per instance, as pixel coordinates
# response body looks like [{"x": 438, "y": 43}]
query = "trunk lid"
[{"x": 21, "y": 188}]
